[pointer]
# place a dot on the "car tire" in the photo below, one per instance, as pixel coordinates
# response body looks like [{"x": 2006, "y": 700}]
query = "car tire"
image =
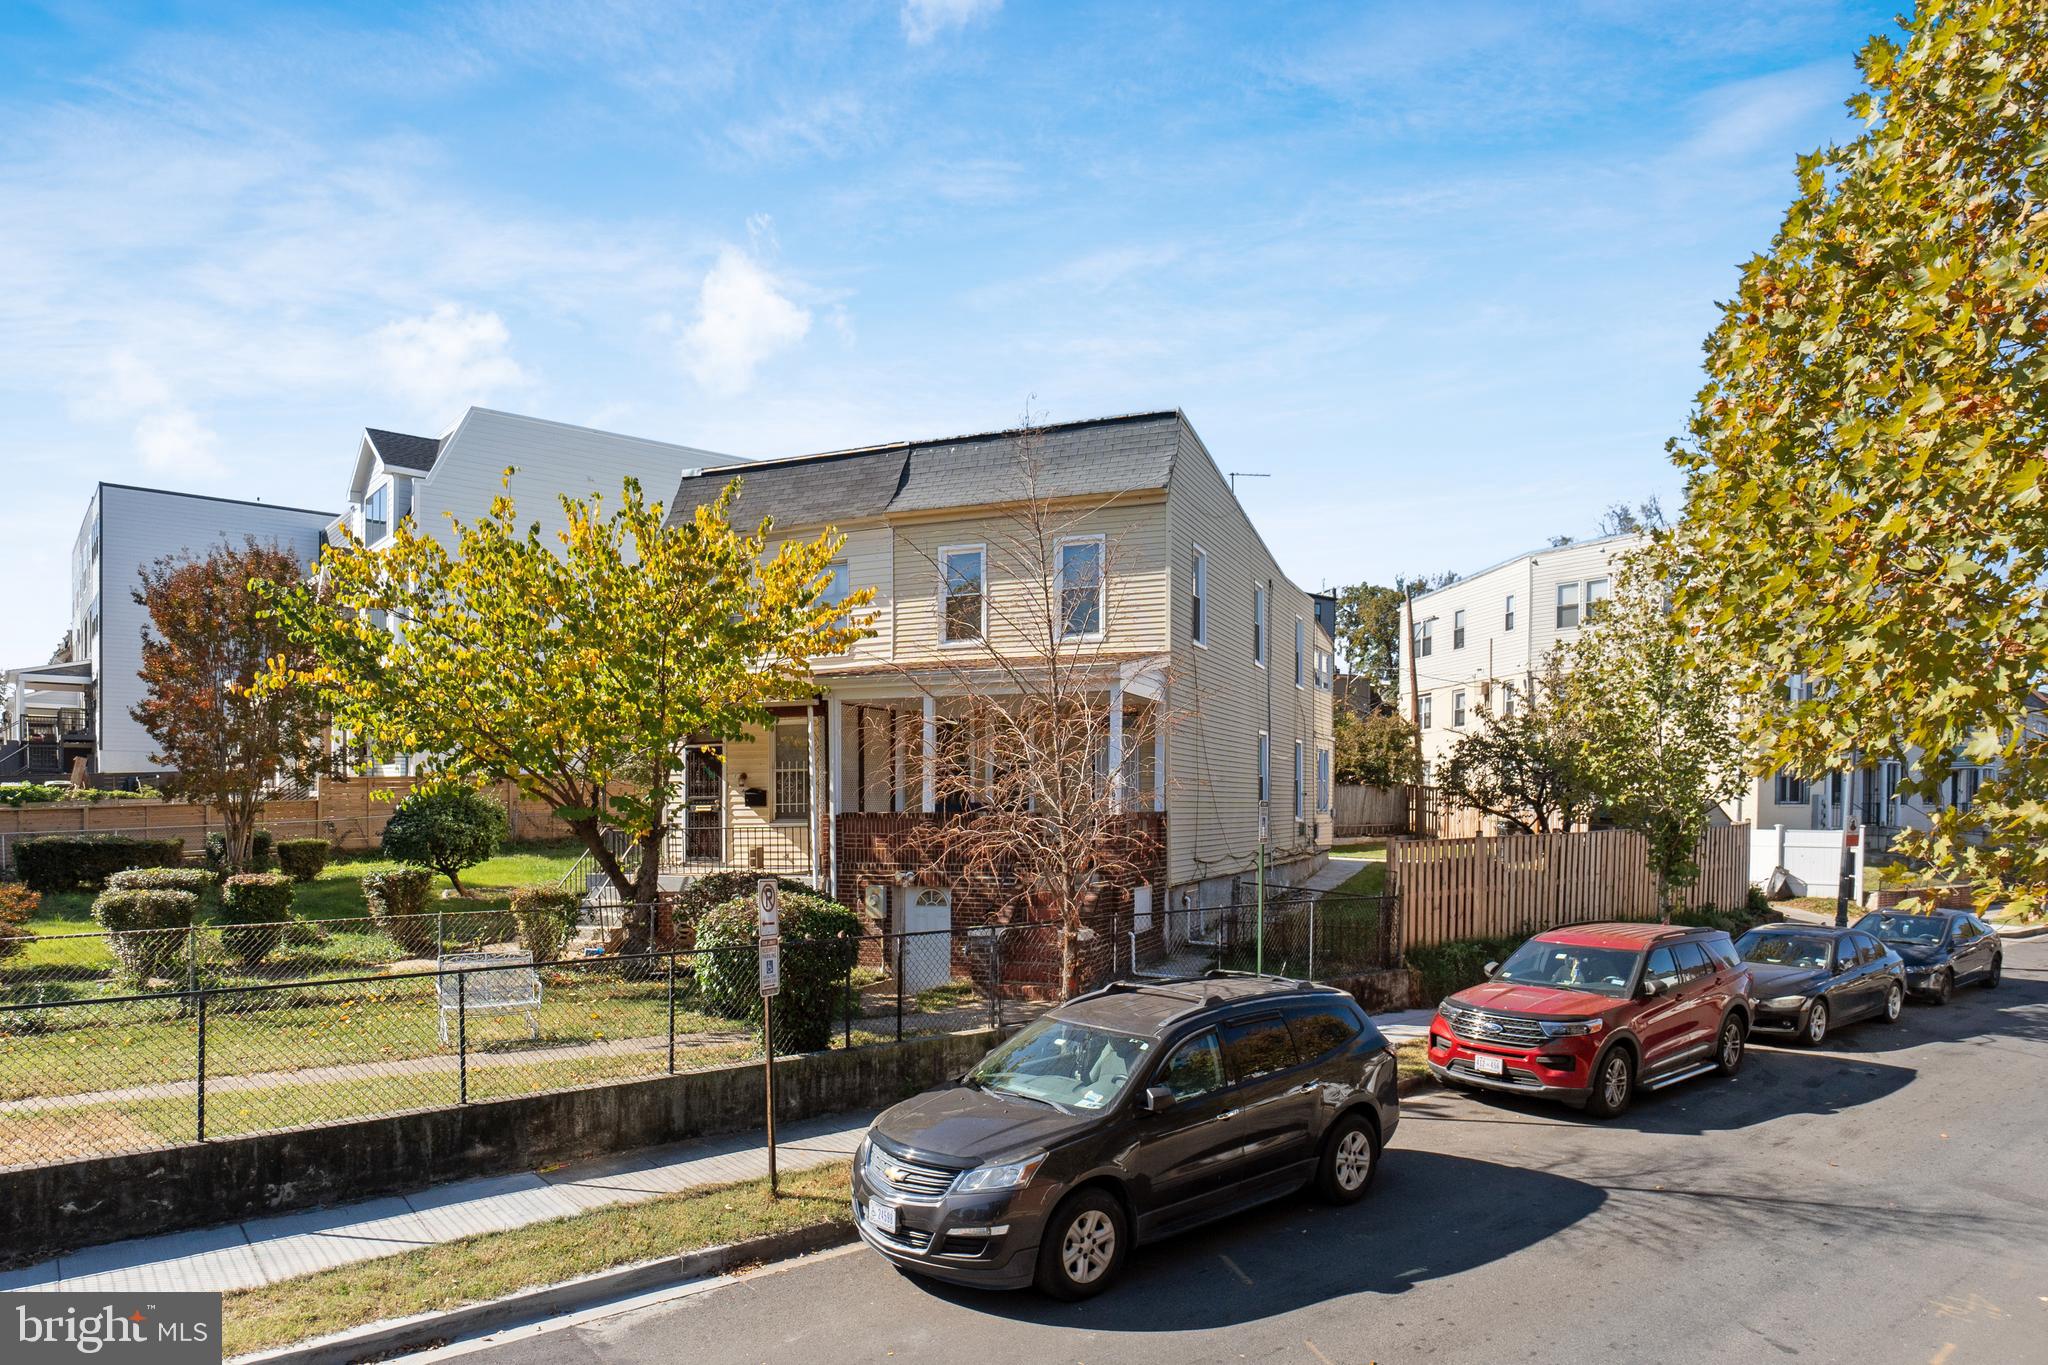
[
  {"x": 1944, "y": 986},
  {"x": 1350, "y": 1160},
  {"x": 1815, "y": 1031},
  {"x": 1991, "y": 978},
  {"x": 1087, "y": 1240},
  {"x": 1728, "y": 1048},
  {"x": 1614, "y": 1084},
  {"x": 1894, "y": 1004}
]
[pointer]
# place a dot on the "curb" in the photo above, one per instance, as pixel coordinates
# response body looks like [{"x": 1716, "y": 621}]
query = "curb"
[
  {"x": 410, "y": 1334},
  {"x": 2021, "y": 931}
]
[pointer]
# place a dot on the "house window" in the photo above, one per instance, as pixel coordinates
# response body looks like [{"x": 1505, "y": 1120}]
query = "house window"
[
  {"x": 1507, "y": 701},
  {"x": 1567, "y": 605},
  {"x": 377, "y": 512},
  {"x": 1792, "y": 790},
  {"x": 1424, "y": 630},
  {"x": 1508, "y": 615},
  {"x": 965, "y": 608},
  {"x": 1080, "y": 588},
  {"x": 1425, "y": 710},
  {"x": 1322, "y": 780},
  {"x": 1300, "y": 653},
  {"x": 1300, "y": 777},
  {"x": 1962, "y": 787},
  {"x": 1457, "y": 708},
  {"x": 1457, "y": 630},
  {"x": 836, "y": 587},
  {"x": 1265, "y": 769},
  {"x": 1596, "y": 593},
  {"x": 1259, "y": 626},
  {"x": 792, "y": 770},
  {"x": 1199, "y": 616}
]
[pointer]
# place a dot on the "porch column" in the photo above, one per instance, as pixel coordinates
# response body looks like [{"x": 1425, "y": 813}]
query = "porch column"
[
  {"x": 931, "y": 754},
  {"x": 811, "y": 761},
  {"x": 835, "y": 762},
  {"x": 1116, "y": 745},
  {"x": 899, "y": 742}
]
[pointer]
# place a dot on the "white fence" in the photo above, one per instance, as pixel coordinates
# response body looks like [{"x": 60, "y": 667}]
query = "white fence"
[{"x": 1812, "y": 859}]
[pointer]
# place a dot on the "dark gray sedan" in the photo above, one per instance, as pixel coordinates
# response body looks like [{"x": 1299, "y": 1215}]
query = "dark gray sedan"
[{"x": 1807, "y": 979}]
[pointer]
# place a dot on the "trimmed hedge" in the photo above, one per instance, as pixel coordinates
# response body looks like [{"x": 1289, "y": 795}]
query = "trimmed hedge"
[
  {"x": 821, "y": 942},
  {"x": 702, "y": 895},
  {"x": 66, "y": 862},
  {"x": 18, "y": 905},
  {"x": 263, "y": 898},
  {"x": 445, "y": 828},
  {"x": 197, "y": 880},
  {"x": 397, "y": 902},
  {"x": 303, "y": 859},
  {"x": 135, "y": 922},
  {"x": 260, "y": 849},
  {"x": 544, "y": 917}
]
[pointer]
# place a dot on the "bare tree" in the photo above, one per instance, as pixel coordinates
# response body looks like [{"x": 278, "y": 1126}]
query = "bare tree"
[{"x": 1040, "y": 759}]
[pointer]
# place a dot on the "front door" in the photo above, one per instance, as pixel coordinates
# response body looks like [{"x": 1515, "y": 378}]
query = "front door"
[
  {"x": 926, "y": 922},
  {"x": 704, "y": 803}
]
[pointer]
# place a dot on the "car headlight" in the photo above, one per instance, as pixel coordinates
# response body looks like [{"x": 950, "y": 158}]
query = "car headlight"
[
  {"x": 1576, "y": 1028},
  {"x": 1010, "y": 1175},
  {"x": 1785, "y": 1002}
]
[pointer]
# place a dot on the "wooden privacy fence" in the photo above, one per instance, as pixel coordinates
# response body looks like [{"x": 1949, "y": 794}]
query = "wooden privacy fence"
[
  {"x": 1523, "y": 883},
  {"x": 1360, "y": 811}
]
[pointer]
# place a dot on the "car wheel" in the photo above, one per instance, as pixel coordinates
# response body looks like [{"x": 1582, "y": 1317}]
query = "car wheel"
[
  {"x": 1728, "y": 1055},
  {"x": 1944, "y": 985},
  {"x": 1351, "y": 1157},
  {"x": 1086, "y": 1243},
  {"x": 1997, "y": 970},
  {"x": 1816, "y": 1023},
  {"x": 1894, "y": 1003},
  {"x": 1614, "y": 1081}
]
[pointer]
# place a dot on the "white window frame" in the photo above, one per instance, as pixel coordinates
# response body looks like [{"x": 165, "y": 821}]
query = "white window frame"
[
  {"x": 1300, "y": 784},
  {"x": 1593, "y": 601},
  {"x": 1198, "y": 627},
  {"x": 1508, "y": 614},
  {"x": 1801, "y": 790},
  {"x": 1458, "y": 709},
  {"x": 1568, "y": 590},
  {"x": 1260, "y": 645},
  {"x": 1322, "y": 781},
  {"x": 1300, "y": 653},
  {"x": 1425, "y": 637},
  {"x": 945, "y": 555},
  {"x": 1425, "y": 709},
  {"x": 1059, "y": 594},
  {"x": 1458, "y": 629},
  {"x": 776, "y": 770}
]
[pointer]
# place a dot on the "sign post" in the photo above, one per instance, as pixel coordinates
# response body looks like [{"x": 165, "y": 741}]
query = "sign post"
[{"x": 768, "y": 933}]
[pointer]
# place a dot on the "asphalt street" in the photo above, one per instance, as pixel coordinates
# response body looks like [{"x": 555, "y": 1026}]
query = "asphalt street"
[{"x": 1884, "y": 1198}]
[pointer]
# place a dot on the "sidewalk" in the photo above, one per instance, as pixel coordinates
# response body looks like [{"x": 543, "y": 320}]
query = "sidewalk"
[{"x": 265, "y": 1250}]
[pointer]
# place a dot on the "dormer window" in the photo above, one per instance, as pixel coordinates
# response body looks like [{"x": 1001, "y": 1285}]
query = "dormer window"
[{"x": 377, "y": 513}]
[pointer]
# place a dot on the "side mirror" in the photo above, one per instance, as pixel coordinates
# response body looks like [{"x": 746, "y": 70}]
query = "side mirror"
[
  {"x": 1490, "y": 968},
  {"x": 1157, "y": 1099},
  {"x": 1651, "y": 986}
]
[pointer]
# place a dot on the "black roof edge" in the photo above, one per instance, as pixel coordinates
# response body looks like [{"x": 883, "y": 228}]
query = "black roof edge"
[
  {"x": 215, "y": 497},
  {"x": 922, "y": 442}
]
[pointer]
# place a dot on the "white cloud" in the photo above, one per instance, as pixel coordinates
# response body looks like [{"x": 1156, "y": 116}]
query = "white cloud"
[
  {"x": 743, "y": 318},
  {"x": 1764, "y": 114},
  {"x": 924, "y": 20},
  {"x": 172, "y": 441},
  {"x": 448, "y": 358}
]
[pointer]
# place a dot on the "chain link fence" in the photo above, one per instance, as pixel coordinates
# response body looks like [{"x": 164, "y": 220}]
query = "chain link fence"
[{"x": 1308, "y": 935}]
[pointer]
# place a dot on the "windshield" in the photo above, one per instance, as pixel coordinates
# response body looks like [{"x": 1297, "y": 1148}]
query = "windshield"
[
  {"x": 1905, "y": 928},
  {"x": 1062, "y": 1063},
  {"x": 1785, "y": 950},
  {"x": 1536, "y": 963}
]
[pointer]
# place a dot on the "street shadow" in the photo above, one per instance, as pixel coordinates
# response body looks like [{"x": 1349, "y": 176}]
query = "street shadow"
[
  {"x": 1772, "y": 1084},
  {"x": 1430, "y": 1216}
]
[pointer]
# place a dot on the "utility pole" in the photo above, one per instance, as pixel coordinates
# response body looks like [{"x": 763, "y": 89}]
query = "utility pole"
[
  {"x": 1265, "y": 628},
  {"x": 1849, "y": 830}
]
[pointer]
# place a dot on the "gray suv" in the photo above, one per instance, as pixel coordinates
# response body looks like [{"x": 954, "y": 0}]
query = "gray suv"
[{"x": 1124, "y": 1115}]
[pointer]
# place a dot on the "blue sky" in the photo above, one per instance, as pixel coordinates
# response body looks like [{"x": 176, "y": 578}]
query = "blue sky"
[{"x": 1442, "y": 270}]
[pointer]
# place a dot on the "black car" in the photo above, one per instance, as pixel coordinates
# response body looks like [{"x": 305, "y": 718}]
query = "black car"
[
  {"x": 1942, "y": 949},
  {"x": 1136, "y": 1111},
  {"x": 1808, "y": 979}
]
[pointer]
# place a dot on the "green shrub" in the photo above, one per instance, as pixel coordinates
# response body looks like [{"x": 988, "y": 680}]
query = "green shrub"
[
  {"x": 445, "y": 828},
  {"x": 397, "y": 902},
  {"x": 303, "y": 859},
  {"x": 1733, "y": 922},
  {"x": 544, "y": 917},
  {"x": 1446, "y": 968},
  {"x": 254, "y": 898},
  {"x": 50, "y": 793},
  {"x": 260, "y": 849},
  {"x": 196, "y": 880},
  {"x": 138, "y": 925},
  {"x": 716, "y": 888},
  {"x": 18, "y": 905},
  {"x": 66, "y": 862},
  {"x": 820, "y": 943}
]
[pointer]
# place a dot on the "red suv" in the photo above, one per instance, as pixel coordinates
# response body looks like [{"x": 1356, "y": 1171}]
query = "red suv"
[{"x": 1587, "y": 1014}]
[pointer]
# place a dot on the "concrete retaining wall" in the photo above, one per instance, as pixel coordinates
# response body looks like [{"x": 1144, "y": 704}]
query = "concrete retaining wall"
[{"x": 45, "y": 1210}]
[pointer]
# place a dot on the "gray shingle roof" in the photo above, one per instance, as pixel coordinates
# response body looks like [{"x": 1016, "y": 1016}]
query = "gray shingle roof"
[
  {"x": 401, "y": 451},
  {"x": 1072, "y": 459}
]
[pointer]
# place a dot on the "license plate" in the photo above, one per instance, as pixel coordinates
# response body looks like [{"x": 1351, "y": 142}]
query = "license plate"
[
  {"x": 882, "y": 1217},
  {"x": 1489, "y": 1066}
]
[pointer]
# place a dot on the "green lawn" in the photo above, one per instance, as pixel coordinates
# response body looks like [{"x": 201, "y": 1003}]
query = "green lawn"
[{"x": 1371, "y": 877}]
